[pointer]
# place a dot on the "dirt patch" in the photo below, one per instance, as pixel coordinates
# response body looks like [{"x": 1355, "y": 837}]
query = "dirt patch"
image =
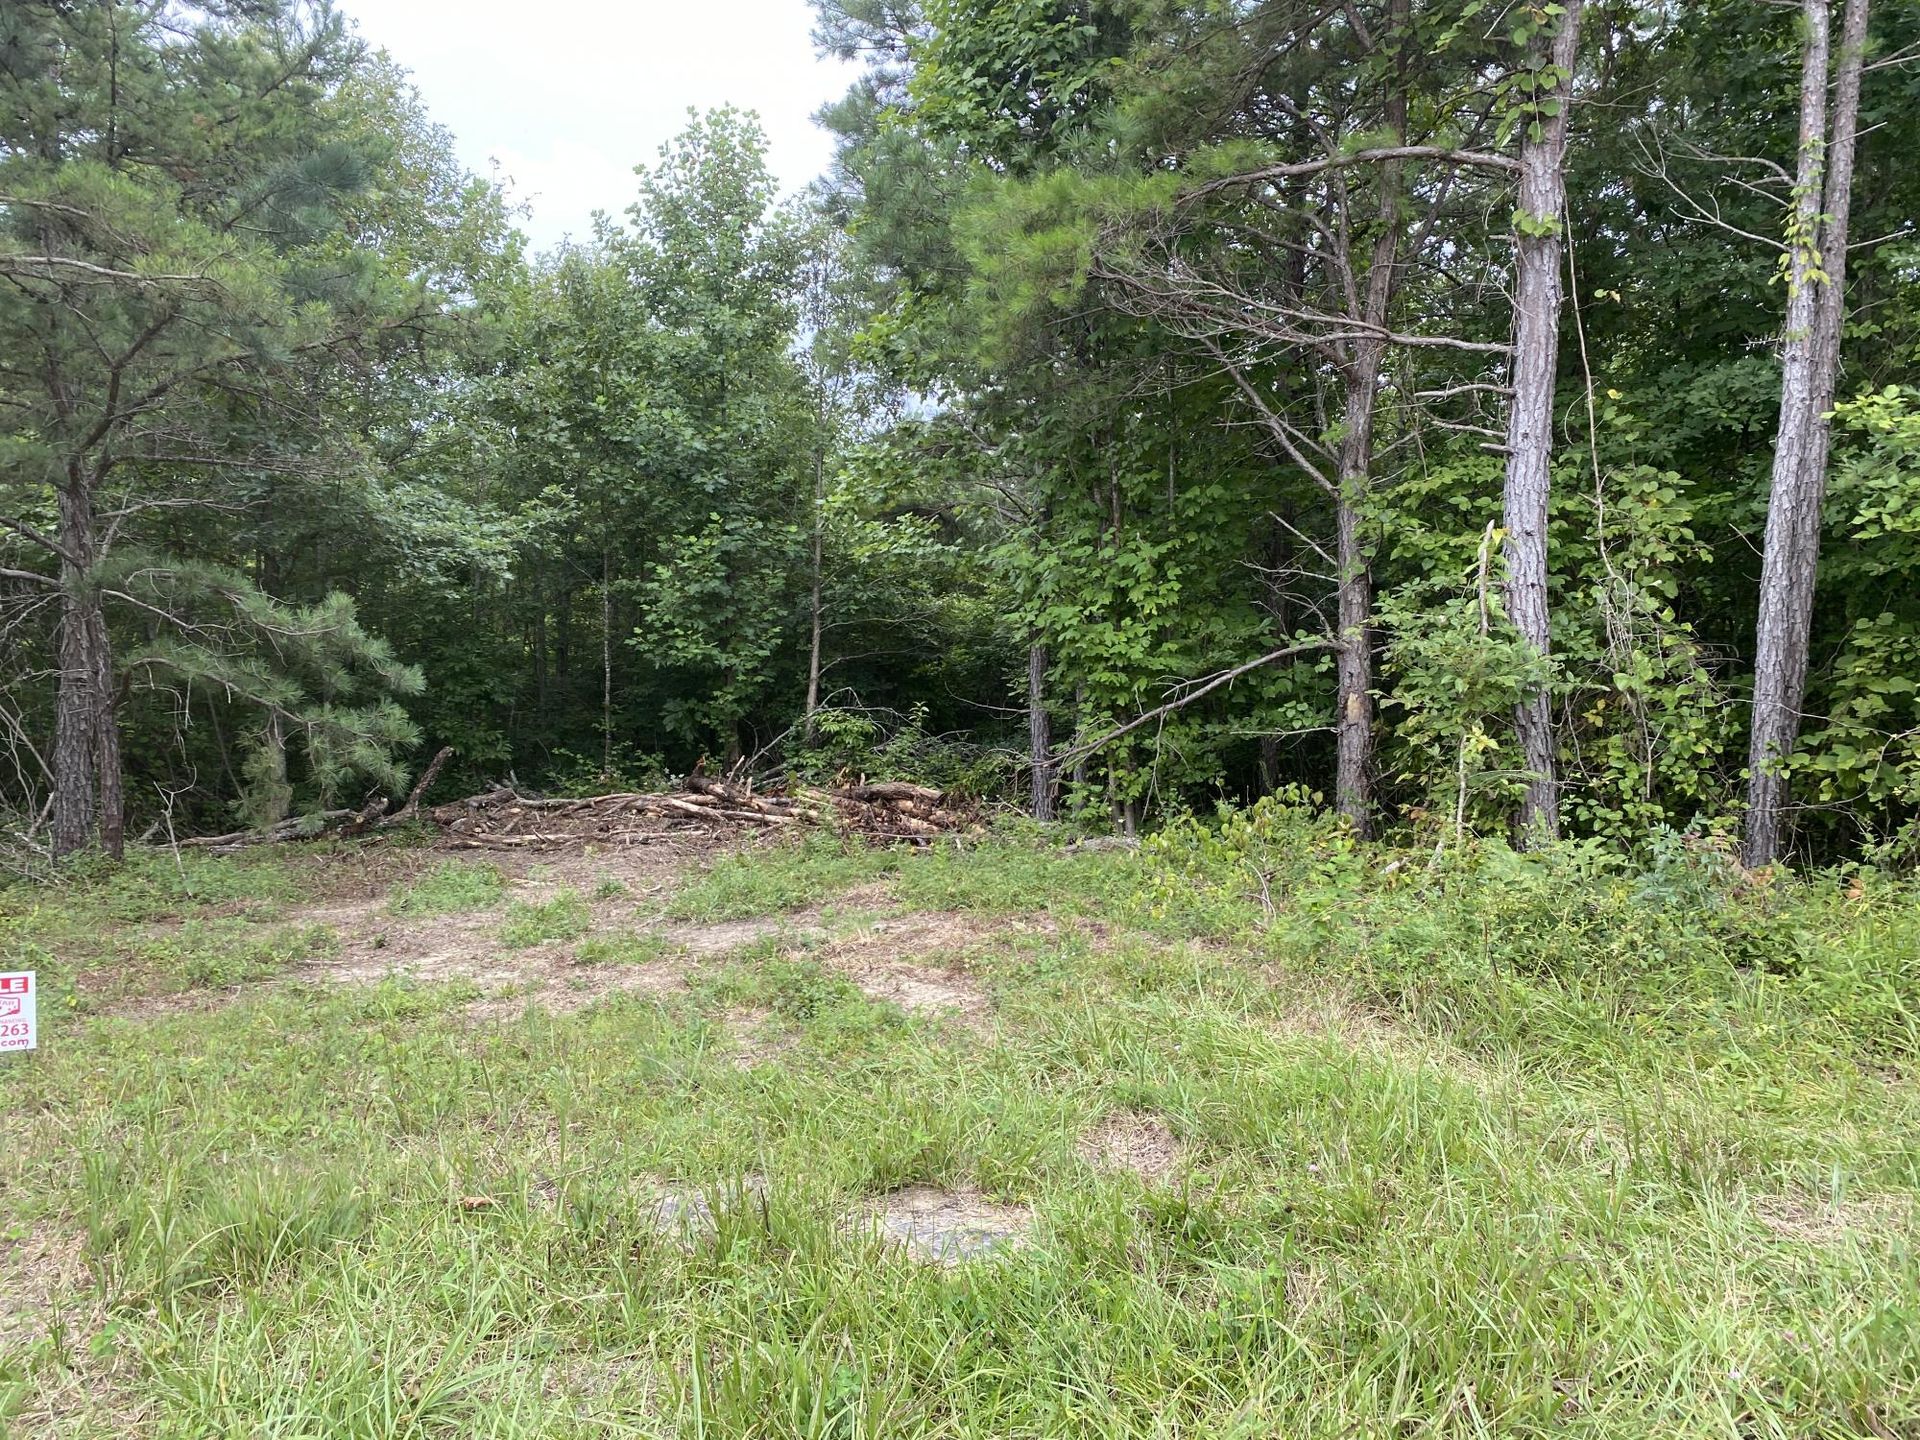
[
  {"x": 376, "y": 944},
  {"x": 46, "y": 1276},
  {"x": 565, "y": 986},
  {"x": 686, "y": 1212},
  {"x": 618, "y": 884},
  {"x": 918, "y": 961},
  {"x": 755, "y": 1038},
  {"x": 1811, "y": 1221},
  {"x": 917, "y": 932},
  {"x": 724, "y": 935},
  {"x": 947, "y": 1227},
  {"x": 924, "y": 991},
  {"x": 1135, "y": 1141},
  {"x": 89, "y": 1390}
]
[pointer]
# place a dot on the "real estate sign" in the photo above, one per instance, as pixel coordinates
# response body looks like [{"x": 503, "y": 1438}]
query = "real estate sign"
[{"x": 19, "y": 1010}]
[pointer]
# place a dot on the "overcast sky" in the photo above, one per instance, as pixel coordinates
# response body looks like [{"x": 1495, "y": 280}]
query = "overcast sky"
[{"x": 569, "y": 95}]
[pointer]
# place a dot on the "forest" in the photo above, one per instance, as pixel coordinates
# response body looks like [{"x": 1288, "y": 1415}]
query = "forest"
[{"x": 1478, "y": 419}]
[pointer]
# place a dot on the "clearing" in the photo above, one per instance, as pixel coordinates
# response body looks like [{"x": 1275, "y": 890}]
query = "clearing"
[{"x": 1243, "y": 1135}]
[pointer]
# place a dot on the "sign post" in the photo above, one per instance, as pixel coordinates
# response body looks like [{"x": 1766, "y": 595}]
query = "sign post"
[{"x": 19, "y": 1010}]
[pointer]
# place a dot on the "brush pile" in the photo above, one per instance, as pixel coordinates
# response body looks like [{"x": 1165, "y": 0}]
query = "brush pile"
[{"x": 503, "y": 818}]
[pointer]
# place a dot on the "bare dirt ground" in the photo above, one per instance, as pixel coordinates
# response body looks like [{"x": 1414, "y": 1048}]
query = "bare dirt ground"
[
  {"x": 946, "y": 1227},
  {"x": 915, "y": 960},
  {"x": 1132, "y": 1140},
  {"x": 49, "y": 1295}
]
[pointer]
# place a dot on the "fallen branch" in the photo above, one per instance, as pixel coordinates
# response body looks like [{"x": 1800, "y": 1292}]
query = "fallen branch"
[
  {"x": 1067, "y": 758},
  {"x": 421, "y": 786}
]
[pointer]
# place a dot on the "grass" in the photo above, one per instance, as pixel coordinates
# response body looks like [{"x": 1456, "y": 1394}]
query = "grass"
[
  {"x": 449, "y": 888},
  {"x": 739, "y": 886},
  {"x": 621, "y": 950},
  {"x": 1486, "y": 1147},
  {"x": 535, "y": 922},
  {"x": 220, "y": 953}
]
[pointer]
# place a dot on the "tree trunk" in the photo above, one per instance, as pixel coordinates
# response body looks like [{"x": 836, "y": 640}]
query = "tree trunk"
[
  {"x": 1538, "y": 217},
  {"x": 1039, "y": 733},
  {"x": 75, "y": 756},
  {"x": 1353, "y": 720},
  {"x": 77, "y": 708},
  {"x": 106, "y": 740},
  {"x": 1353, "y": 724},
  {"x": 1809, "y": 364},
  {"x": 813, "y": 599},
  {"x": 605, "y": 663}
]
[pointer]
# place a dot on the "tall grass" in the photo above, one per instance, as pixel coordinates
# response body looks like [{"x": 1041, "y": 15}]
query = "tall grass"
[{"x": 1491, "y": 1145}]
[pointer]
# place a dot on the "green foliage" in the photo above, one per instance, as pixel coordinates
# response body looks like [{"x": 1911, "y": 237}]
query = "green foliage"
[
  {"x": 860, "y": 743},
  {"x": 1458, "y": 668},
  {"x": 1052, "y": 364}
]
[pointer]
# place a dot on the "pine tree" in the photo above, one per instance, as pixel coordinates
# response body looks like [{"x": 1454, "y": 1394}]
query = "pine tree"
[{"x": 170, "y": 183}]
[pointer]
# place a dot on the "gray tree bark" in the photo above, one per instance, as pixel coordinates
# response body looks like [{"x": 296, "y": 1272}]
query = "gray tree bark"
[
  {"x": 77, "y": 708},
  {"x": 814, "y": 611},
  {"x": 1809, "y": 366},
  {"x": 1539, "y": 211},
  {"x": 1040, "y": 734},
  {"x": 1353, "y": 721}
]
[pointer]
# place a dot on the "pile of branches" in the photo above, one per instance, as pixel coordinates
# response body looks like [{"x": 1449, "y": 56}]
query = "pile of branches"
[{"x": 504, "y": 818}]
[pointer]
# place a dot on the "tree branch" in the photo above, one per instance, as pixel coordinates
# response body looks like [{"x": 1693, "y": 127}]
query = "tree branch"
[{"x": 1071, "y": 756}]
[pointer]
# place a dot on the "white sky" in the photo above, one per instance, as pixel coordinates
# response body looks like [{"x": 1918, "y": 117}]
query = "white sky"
[{"x": 569, "y": 95}]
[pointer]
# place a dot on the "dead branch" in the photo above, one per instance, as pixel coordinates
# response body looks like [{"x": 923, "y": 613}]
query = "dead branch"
[{"x": 1074, "y": 754}]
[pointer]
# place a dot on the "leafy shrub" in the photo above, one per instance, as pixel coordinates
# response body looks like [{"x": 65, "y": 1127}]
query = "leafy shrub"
[
  {"x": 632, "y": 770},
  {"x": 884, "y": 745}
]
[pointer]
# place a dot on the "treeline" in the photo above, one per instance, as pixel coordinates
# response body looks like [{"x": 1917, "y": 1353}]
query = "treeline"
[{"x": 1445, "y": 408}]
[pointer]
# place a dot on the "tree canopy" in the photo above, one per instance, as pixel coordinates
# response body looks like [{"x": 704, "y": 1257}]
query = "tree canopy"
[{"x": 1158, "y": 404}]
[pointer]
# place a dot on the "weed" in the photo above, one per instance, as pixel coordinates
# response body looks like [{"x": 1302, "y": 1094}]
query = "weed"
[
  {"x": 215, "y": 954},
  {"x": 1548, "y": 1152}
]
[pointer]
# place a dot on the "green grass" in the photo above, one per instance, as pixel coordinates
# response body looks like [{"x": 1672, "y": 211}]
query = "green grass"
[
  {"x": 621, "y": 950},
  {"x": 534, "y": 922},
  {"x": 782, "y": 877},
  {"x": 1493, "y": 1147},
  {"x": 450, "y": 887},
  {"x": 215, "y": 954}
]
